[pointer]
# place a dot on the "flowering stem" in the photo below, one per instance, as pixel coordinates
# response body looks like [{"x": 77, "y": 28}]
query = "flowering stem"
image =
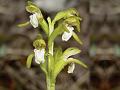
[
  {"x": 44, "y": 54},
  {"x": 50, "y": 83},
  {"x": 50, "y": 77}
]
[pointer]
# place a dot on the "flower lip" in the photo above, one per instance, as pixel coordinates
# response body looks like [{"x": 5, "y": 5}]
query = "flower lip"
[
  {"x": 39, "y": 55},
  {"x": 71, "y": 68},
  {"x": 67, "y": 35},
  {"x": 34, "y": 20}
]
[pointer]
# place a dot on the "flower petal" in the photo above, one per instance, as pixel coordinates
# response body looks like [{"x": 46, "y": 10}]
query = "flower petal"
[
  {"x": 34, "y": 20},
  {"x": 71, "y": 68},
  {"x": 67, "y": 35},
  {"x": 39, "y": 55}
]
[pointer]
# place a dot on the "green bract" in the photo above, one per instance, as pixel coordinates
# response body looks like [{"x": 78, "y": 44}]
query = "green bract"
[
  {"x": 52, "y": 60},
  {"x": 29, "y": 60},
  {"x": 69, "y": 52}
]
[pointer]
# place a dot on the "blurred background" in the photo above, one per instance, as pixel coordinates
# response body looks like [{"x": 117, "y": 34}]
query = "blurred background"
[{"x": 100, "y": 32}]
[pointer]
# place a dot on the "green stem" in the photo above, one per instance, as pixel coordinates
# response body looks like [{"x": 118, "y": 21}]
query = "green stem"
[
  {"x": 50, "y": 78},
  {"x": 50, "y": 83}
]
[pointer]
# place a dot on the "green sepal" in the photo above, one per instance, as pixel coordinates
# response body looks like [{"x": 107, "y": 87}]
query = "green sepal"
[
  {"x": 62, "y": 63},
  {"x": 69, "y": 52},
  {"x": 32, "y": 8},
  {"x": 65, "y": 14},
  {"x": 29, "y": 60},
  {"x": 39, "y": 43},
  {"x": 73, "y": 21},
  {"x": 75, "y": 36},
  {"x": 23, "y": 24}
]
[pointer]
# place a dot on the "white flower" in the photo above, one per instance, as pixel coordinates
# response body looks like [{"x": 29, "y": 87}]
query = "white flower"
[
  {"x": 39, "y": 55},
  {"x": 67, "y": 35},
  {"x": 34, "y": 20},
  {"x": 71, "y": 68}
]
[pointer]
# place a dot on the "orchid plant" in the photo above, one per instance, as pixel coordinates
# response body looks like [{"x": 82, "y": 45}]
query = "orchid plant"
[{"x": 52, "y": 60}]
